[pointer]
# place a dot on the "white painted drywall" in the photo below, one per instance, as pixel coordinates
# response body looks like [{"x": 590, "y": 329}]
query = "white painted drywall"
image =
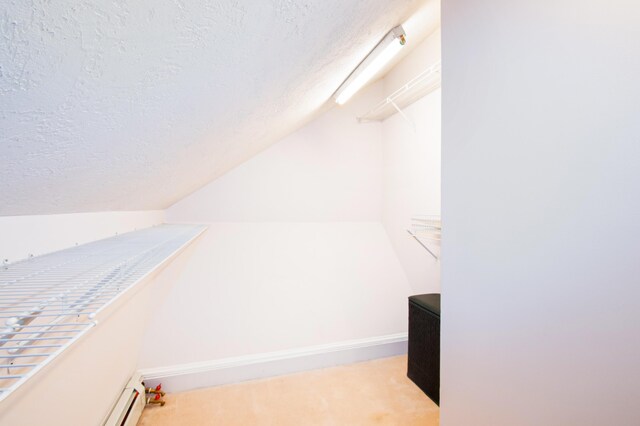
[
  {"x": 541, "y": 206},
  {"x": 252, "y": 288},
  {"x": 133, "y": 105},
  {"x": 411, "y": 168},
  {"x": 330, "y": 170},
  {"x": 22, "y": 236},
  {"x": 295, "y": 255}
]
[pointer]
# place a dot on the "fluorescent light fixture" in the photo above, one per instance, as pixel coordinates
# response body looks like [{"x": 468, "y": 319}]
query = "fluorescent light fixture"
[{"x": 388, "y": 47}]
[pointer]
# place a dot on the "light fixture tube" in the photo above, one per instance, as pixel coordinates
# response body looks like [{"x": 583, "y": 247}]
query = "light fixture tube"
[{"x": 388, "y": 47}]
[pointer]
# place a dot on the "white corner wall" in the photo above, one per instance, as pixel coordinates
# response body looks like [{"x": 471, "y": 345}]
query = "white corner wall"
[
  {"x": 295, "y": 256},
  {"x": 411, "y": 168},
  {"x": 253, "y": 288},
  {"x": 541, "y": 201},
  {"x": 23, "y": 236}
]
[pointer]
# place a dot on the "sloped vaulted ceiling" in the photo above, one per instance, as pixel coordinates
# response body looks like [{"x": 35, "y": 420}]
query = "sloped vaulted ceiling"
[{"x": 127, "y": 105}]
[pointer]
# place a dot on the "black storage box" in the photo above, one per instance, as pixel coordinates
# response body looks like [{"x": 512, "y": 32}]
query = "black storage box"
[{"x": 424, "y": 344}]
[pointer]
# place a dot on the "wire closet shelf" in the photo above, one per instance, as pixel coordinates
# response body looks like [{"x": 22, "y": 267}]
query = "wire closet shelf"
[
  {"x": 49, "y": 302},
  {"x": 424, "y": 227},
  {"x": 416, "y": 88}
]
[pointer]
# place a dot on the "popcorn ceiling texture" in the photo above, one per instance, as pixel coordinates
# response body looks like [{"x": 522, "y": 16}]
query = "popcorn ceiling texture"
[{"x": 131, "y": 105}]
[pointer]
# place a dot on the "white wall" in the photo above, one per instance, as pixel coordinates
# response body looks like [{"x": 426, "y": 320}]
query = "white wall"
[
  {"x": 411, "y": 168},
  {"x": 541, "y": 202},
  {"x": 330, "y": 170},
  {"x": 295, "y": 256},
  {"x": 22, "y": 236},
  {"x": 251, "y": 288}
]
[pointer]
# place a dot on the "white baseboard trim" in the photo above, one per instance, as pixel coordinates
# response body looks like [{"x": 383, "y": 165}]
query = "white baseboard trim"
[{"x": 182, "y": 377}]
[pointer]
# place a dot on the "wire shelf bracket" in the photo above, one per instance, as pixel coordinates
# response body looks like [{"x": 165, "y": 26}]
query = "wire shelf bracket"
[{"x": 428, "y": 228}]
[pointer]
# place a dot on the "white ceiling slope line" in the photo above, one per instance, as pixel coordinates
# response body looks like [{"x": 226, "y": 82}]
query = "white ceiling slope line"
[{"x": 132, "y": 105}]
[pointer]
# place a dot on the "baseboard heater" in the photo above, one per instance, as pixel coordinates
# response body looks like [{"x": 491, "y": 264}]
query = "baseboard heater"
[{"x": 129, "y": 406}]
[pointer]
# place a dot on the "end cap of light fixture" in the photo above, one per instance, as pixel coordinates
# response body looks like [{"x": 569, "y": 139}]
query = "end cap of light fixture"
[{"x": 371, "y": 64}]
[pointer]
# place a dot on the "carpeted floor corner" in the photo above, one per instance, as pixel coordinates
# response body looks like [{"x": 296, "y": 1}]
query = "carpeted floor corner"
[{"x": 369, "y": 393}]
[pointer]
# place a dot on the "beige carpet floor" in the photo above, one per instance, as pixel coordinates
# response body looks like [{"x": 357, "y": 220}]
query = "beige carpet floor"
[{"x": 370, "y": 393}]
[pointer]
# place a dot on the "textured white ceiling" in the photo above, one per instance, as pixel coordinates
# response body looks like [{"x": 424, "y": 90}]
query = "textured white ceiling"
[{"x": 127, "y": 105}]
